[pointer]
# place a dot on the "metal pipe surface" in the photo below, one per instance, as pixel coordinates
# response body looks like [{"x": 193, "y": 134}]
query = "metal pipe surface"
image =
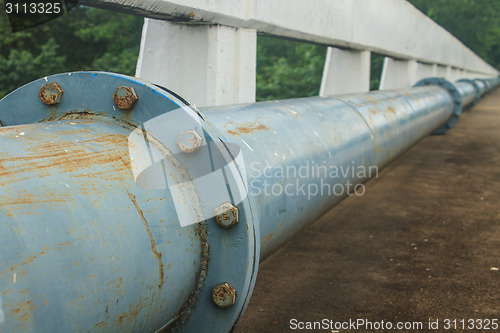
[
  {"x": 123, "y": 208},
  {"x": 290, "y": 145},
  {"x": 467, "y": 91},
  {"x": 81, "y": 239}
]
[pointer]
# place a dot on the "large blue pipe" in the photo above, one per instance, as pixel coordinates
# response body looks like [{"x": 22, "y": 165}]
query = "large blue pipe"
[
  {"x": 105, "y": 206},
  {"x": 326, "y": 139},
  {"x": 313, "y": 147}
]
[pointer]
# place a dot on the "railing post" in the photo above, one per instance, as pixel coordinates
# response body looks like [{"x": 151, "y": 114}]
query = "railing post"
[
  {"x": 434, "y": 70},
  {"x": 346, "y": 24},
  {"x": 463, "y": 74},
  {"x": 441, "y": 71},
  {"x": 424, "y": 71},
  {"x": 345, "y": 71},
  {"x": 454, "y": 74},
  {"x": 398, "y": 74},
  {"x": 207, "y": 64},
  {"x": 449, "y": 73}
]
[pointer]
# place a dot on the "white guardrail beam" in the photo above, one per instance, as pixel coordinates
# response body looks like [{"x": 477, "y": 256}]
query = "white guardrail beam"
[{"x": 415, "y": 45}]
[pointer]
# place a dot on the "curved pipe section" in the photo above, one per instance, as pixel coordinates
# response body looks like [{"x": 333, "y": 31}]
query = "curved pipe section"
[
  {"x": 107, "y": 220},
  {"x": 468, "y": 91},
  {"x": 83, "y": 247},
  {"x": 305, "y": 155}
]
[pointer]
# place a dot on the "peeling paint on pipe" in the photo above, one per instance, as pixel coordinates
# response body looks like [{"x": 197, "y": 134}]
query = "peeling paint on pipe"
[
  {"x": 82, "y": 239},
  {"x": 84, "y": 248},
  {"x": 342, "y": 134}
]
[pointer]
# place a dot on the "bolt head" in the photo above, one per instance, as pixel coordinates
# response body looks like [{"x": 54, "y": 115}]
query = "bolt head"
[
  {"x": 125, "y": 98},
  {"x": 189, "y": 141},
  {"x": 224, "y": 295},
  {"x": 51, "y": 93},
  {"x": 226, "y": 215}
]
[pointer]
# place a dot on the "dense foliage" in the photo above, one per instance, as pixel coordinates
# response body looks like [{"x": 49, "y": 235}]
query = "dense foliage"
[
  {"x": 288, "y": 69},
  {"x": 83, "y": 39},
  {"x": 475, "y": 23},
  {"x": 93, "y": 39}
]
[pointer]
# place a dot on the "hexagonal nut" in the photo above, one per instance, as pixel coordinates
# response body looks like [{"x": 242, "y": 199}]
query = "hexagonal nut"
[
  {"x": 189, "y": 141},
  {"x": 223, "y": 295},
  {"x": 226, "y": 215},
  {"x": 125, "y": 98},
  {"x": 51, "y": 93}
]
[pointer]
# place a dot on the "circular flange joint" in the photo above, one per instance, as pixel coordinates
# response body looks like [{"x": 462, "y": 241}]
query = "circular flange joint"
[
  {"x": 476, "y": 88},
  {"x": 227, "y": 254},
  {"x": 455, "y": 95}
]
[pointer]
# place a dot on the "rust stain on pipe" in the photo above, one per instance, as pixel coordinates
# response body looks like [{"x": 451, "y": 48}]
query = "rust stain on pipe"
[
  {"x": 151, "y": 239},
  {"x": 67, "y": 155},
  {"x": 28, "y": 199},
  {"x": 43, "y": 251},
  {"x": 25, "y": 310},
  {"x": 29, "y": 260},
  {"x": 248, "y": 128}
]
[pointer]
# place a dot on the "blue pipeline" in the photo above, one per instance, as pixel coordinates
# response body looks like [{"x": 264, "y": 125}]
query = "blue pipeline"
[
  {"x": 314, "y": 147},
  {"x": 92, "y": 241}
]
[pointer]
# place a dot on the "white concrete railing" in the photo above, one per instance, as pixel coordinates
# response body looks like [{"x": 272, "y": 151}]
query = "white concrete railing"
[{"x": 210, "y": 57}]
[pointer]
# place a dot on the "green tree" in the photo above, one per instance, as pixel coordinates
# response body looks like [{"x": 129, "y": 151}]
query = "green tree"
[
  {"x": 84, "y": 39},
  {"x": 287, "y": 69},
  {"x": 377, "y": 62},
  {"x": 475, "y": 23},
  {"x": 94, "y": 39}
]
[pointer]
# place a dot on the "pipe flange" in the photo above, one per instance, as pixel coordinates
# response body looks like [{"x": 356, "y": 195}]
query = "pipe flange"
[
  {"x": 476, "y": 88},
  {"x": 487, "y": 86},
  {"x": 233, "y": 235},
  {"x": 229, "y": 238},
  {"x": 482, "y": 87},
  {"x": 455, "y": 95},
  {"x": 111, "y": 95}
]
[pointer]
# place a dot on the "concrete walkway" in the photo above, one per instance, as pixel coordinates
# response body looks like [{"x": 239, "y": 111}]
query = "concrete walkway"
[{"x": 422, "y": 243}]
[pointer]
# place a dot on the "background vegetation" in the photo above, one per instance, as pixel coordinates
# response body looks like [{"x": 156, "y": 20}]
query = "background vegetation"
[
  {"x": 83, "y": 39},
  {"x": 93, "y": 39}
]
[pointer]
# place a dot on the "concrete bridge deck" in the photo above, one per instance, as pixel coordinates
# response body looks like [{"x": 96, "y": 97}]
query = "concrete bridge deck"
[{"x": 423, "y": 242}]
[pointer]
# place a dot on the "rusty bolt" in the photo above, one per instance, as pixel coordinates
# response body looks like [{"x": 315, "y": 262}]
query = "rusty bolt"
[
  {"x": 224, "y": 295},
  {"x": 226, "y": 215},
  {"x": 125, "y": 98},
  {"x": 51, "y": 93},
  {"x": 189, "y": 141}
]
